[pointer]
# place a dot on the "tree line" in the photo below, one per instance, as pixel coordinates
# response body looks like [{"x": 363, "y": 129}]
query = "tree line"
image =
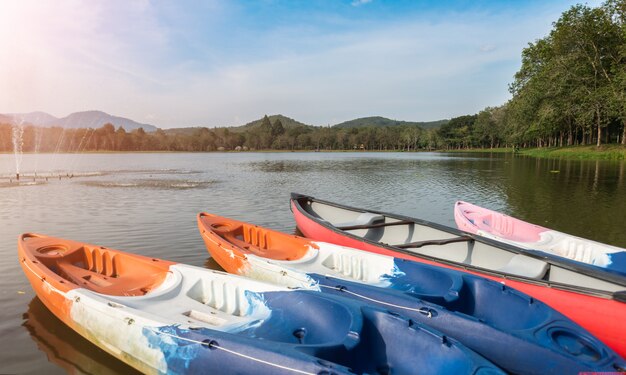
[{"x": 267, "y": 136}]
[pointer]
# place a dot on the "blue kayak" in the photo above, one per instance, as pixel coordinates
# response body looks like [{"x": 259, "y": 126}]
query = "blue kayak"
[
  {"x": 509, "y": 328},
  {"x": 311, "y": 333}
]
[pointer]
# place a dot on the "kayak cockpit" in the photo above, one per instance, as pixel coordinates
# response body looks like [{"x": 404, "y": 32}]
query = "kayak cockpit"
[
  {"x": 428, "y": 241},
  {"x": 95, "y": 268},
  {"x": 256, "y": 240}
]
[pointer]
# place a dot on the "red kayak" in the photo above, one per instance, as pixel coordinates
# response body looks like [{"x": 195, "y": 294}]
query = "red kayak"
[{"x": 596, "y": 300}]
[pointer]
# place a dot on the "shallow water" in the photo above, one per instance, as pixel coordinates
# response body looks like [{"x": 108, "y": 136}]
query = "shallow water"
[{"x": 147, "y": 203}]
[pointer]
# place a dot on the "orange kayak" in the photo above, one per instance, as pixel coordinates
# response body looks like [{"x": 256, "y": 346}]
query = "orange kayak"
[
  {"x": 511, "y": 329},
  {"x": 54, "y": 267}
]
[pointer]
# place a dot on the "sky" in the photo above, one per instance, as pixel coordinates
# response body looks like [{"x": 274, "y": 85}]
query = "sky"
[{"x": 228, "y": 62}]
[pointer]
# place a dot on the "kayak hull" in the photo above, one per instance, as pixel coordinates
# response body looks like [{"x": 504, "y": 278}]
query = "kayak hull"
[{"x": 599, "y": 313}]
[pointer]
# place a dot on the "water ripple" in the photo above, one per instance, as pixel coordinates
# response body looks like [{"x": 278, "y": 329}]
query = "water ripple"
[{"x": 168, "y": 184}]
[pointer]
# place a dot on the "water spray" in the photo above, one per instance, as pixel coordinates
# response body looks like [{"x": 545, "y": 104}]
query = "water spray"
[{"x": 18, "y": 143}]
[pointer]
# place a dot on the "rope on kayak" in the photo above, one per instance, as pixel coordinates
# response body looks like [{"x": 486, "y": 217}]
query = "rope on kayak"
[
  {"x": 214, "y": 346},
  {"x": 211, "y": 345},
  {"x": 422, "y": 310}
]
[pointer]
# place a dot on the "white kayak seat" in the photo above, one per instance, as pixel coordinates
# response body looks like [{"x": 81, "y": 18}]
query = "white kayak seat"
[
  {"x": 366, "y": 218},
  {"x": 522, "y": 265}
]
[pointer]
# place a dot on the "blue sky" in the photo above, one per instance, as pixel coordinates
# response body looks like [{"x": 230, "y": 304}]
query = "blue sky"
[{"x": 222, "y": 63}]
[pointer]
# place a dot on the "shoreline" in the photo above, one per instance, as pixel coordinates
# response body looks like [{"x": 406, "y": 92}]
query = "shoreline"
[{"x": 585, "y": 152}]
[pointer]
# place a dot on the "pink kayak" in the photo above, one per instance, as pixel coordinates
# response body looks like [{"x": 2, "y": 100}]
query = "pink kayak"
[{"x": 503, "y": 228}]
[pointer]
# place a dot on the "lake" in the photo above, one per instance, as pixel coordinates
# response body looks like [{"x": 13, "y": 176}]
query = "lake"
[{"x": 147, "y": 203}]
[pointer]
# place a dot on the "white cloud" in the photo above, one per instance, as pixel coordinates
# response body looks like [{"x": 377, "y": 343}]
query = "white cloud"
[
  {"x": 487, "y": 48},
  {"x": 357, "y": 3}
]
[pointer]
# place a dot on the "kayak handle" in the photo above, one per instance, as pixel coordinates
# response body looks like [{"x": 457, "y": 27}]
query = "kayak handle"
[
  {"x": 378, "y": 225},
  {"x": 433, "y": 242}
]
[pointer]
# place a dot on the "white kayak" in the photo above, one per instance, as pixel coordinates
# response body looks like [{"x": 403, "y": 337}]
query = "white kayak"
[{"x": 507, "y": 229}]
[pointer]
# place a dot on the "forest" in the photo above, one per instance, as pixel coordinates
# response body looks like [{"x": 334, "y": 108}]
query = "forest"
[
  {"x": 266, "y": 136},
  {"x": 570, "y": 90}
]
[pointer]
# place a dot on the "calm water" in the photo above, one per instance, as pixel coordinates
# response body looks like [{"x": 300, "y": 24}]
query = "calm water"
[{"x": 147, "y": 203}]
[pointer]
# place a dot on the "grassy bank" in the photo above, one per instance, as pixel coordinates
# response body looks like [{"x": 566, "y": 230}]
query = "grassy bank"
[
  {"x": 499, "y": 150},
  {"x": 605, "y": 152}
]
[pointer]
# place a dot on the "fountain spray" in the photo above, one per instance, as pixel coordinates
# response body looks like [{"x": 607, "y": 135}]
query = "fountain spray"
[{"x": 18, "y": 143}]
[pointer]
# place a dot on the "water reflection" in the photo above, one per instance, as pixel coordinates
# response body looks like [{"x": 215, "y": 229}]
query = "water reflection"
[
  {"x": 14, "y": 184},
  {"x": 66, "y": 348},
  {"x": 585, "y": 198},
  {"x": 211, "y": 264}
]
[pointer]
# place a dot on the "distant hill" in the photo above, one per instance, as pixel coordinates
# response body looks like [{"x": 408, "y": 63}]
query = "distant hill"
[
  {"x": 33, "y": 118},
  {"x": 95, "y": 119},
  {"x": 287, "y": 122},
  {"x": 86, "y": 119},
  {"x": 378, "y": 121},
  {"x": 5, "y": 119}
]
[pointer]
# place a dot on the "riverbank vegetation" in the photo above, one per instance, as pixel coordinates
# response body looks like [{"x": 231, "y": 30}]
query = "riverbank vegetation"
[
  {"x": 569, "y": 91},
  {"x": 592, "y": 152}
]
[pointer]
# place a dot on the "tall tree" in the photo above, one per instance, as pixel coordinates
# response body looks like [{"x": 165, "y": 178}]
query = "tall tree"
[{"x": 277, "y": 128}]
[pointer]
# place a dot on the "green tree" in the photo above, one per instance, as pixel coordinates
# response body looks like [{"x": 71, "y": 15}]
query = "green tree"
[{"x": 277, "y": 128}]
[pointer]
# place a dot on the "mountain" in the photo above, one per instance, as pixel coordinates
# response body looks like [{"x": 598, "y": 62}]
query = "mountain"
[
  {"x": 287, "y": 122},
  {"x": 95, "y": 119},
  {"x": 378, "y": 121},
  {"x": 34, "y": 118},
  {"x": 86, "y": 119},
  {"x": 5, "y": 119}
]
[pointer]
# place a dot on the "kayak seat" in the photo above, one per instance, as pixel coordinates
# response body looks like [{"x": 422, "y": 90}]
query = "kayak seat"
[
  {"x": 349, "y": 265},
  {"x": 522, "y": 265},
  {"x": 221, "y": 294},
  {"x": 126, "y": 285},
  {"x": 254, "y": 239},
  {"x": 429, "y": 283},
  {"x": 366, "y": 218},
  {"x": 105, "y": 272}
]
